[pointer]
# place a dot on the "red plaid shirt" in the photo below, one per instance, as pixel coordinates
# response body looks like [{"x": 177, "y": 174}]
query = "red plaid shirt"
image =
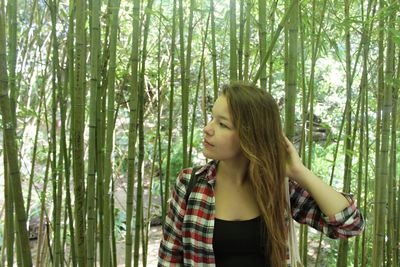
[{"x": 188, "y": 229}]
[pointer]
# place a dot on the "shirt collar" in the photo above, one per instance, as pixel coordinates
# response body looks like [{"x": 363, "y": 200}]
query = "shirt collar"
[{"x": 209, "y": 171}]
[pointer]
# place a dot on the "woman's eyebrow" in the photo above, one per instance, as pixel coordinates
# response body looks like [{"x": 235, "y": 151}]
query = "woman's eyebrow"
[
  {"x": 223, "y": 118},
  {"x": 220, "y": 116}
]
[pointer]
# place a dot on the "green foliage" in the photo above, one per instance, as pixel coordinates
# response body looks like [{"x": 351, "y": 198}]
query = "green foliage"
[
  {"x": 119, "y": 222},
  {"x": 34, "y": 74}
]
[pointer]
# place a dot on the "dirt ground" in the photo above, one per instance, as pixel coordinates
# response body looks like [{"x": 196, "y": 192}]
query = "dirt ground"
[{"x": 155, "y": 232}]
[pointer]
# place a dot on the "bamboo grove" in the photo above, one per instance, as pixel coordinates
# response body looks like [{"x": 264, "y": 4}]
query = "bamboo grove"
[{"x": 95, "y": 94}]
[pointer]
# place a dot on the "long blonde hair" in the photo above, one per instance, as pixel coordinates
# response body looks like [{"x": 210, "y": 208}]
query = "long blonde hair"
[{"x": 255, "y": 115}]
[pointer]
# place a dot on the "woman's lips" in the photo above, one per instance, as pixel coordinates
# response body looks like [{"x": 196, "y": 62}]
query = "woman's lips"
[{"x": 205, "y": 143}]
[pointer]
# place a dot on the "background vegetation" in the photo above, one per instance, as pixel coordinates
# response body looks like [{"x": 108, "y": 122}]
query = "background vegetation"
[{"x": 96, "y": 96}]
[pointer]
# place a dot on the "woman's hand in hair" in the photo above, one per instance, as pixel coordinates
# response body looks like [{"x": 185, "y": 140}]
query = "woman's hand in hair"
[
  {"x": 327, "y": 198},
  {"x": 294, "y": 165}
]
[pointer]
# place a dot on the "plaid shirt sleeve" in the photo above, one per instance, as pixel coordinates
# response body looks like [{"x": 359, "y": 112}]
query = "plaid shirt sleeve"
[
  {"x": 349, "y": 222},
  {"x": 171, "y": 249}
]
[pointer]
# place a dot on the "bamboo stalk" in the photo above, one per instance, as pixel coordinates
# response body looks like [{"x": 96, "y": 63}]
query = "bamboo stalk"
[
  {"x": 69, "y": 87},
  {"x": 132, "y": 128},
  {"x": 271, "y": 61},
  {"x": 387, "y": 121},
  {"x": 382, "y": 172},
  {"x": 107, "y": 189},
  {"x": 213, "y": 51},
  {"x": 273, "y": 41},
  {"x": 184, "y": 89},
  {"x": 12, "y": 149},
  {"x": 247, "y": 34},
  {"x": 396, "y": 205},
  {"x": 241, "y": 39},
  {"x": 262, "y": 21},
  {"x": 92, "y": 167},
  {"x": 139, "y": 223},
  {"x": 232, "y": 41},
  {"x": 343, "y": 245},
  {"x": 171, "y": 112},
  {"x": 290, "y": 95},
  {"x": 78, "y": 111},
  {"x": 197, "y": 91}
]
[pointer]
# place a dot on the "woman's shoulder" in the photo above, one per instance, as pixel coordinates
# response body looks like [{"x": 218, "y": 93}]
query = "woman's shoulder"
[{"x": 199, "y": 169}]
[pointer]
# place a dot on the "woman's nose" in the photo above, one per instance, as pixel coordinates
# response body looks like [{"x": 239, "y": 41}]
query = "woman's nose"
[{"x": 208, "y": 130}]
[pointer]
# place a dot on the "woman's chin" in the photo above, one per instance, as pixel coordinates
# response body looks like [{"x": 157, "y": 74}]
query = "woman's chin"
[{"x": 207, "y": 154}]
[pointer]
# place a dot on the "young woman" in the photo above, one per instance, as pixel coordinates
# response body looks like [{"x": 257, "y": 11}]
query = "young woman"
[{"x": 236, "y": 213}]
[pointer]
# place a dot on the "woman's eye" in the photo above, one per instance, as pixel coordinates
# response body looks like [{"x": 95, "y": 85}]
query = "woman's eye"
[{"x": 223, "y": 125}]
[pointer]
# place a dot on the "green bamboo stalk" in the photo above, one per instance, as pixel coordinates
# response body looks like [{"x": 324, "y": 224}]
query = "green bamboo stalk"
[
  {"x": 262, "y": 33},
  {"x": 78, "y": 120},
  {"x": 57, "y": 178},
  {"x": 94, "y": 83},
  {"x": 12, "y": 7},
  {"x": 232, "y": 43},
  {"x": 28, "y": 43},
  {"x": 114, "y": 261},
  {"x": 380, "y": 85},
  {"x": 42, "y": 103},
  {"x": 185, "y": 92},
  {"x": 396, "y": 205},
  {"x": 271, "y": 61},
  {"x": 9, "y": 206},
  {"x": 286, "y": 47},
  {"x": 213, "y": 51},
  {"x": 273, "y": 41},
  {"x": 304, "y": 99},
  {"x": 247, "y": 33},
  {"x": 11, "y": 148},
  {"x": 197, "y": 91},
  {"x": 35, "y": 146},
  {"x": 107, "y": 190},
  {"x": 382, "y": 164},
  {"x": 132, "y": 129},
  {"x": 305, "y": 102},
  {"x": 9, "y": 213},
  {"x": 43, "y": 214},
  {"x": 69, "y": 87},
  {"x": 343, "y": 245},
  {"x": 43, "y": 211},
  {"x": 149, "y": 200},
  {"x": 101, "y": 130},
  {"x": 157, "y": 145},
  {"x": 364, "y": 255},
  {"x": 139, "y": 189},
  {"x": 139, "y": 223},
  {"x": 363, "y": 152},
  {"x": 204, "y": 110},
  {"x": 184, "y": 89},
  {"x": 171, "y": 111},
  {"x": 159, "y": 104},
  {"x": 392, "y": 189},
  {"x": 241, "y": 39},
  {"x": 290, "y": 95},
  {"x": 361, "y": 159},
  {"x": 315, "y": 45},
  {"x": 386, "y": 133},
  {"x": 302, "y": 242}
]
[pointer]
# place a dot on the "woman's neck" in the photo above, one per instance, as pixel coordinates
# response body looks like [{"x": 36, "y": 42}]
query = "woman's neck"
[{"x": 234, "y": 170}]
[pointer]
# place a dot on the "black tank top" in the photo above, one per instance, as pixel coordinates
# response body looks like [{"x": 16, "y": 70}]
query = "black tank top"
[{"x": 240, "y": 243}]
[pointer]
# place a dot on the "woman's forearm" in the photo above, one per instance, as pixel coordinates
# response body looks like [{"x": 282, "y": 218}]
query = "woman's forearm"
[{"x": 328, "y": 199}]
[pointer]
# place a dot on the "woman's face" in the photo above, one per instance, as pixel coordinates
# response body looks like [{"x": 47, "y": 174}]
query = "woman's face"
[{"x": 221, "y": 140}]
